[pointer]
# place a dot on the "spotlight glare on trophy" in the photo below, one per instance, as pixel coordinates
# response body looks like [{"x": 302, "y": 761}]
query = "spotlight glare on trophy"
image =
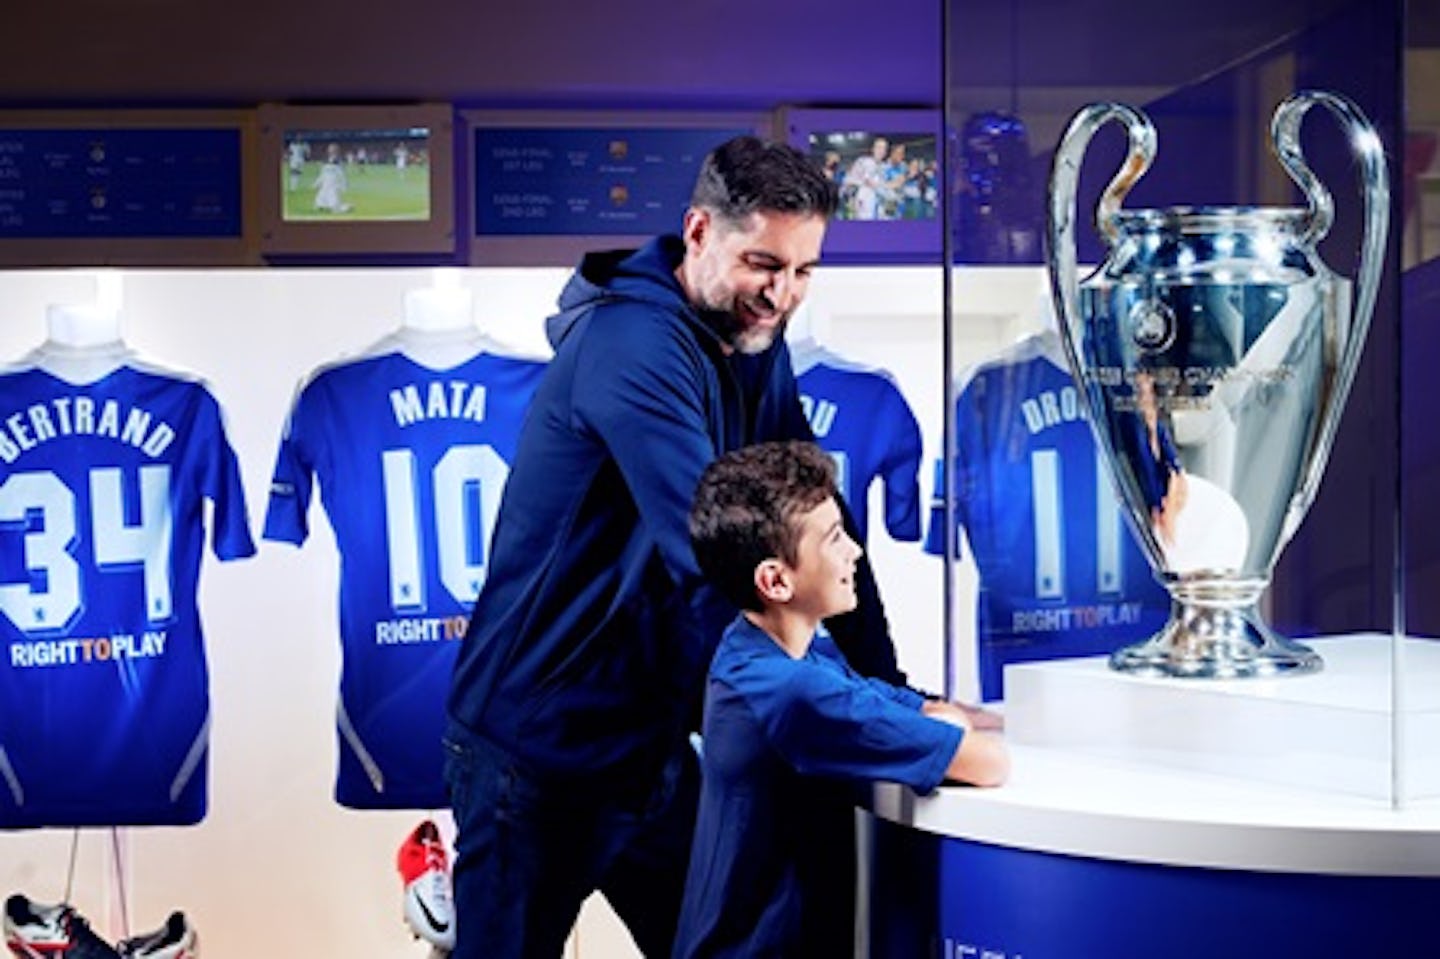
[{"x": 1214, "y": 352}]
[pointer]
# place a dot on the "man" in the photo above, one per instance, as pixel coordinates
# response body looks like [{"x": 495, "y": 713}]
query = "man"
[{"x": 580, "y": 675}]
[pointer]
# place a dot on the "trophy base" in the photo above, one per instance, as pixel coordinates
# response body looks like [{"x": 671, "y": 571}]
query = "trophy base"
[{"x": 1209, "y": 642}]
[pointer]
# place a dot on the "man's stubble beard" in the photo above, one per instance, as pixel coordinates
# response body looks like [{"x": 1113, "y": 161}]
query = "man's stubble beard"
[{"x": 728, "y": 327}]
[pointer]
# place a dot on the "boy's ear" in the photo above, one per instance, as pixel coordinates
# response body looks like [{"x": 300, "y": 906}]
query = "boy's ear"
[{"x": 772, "y": 581}]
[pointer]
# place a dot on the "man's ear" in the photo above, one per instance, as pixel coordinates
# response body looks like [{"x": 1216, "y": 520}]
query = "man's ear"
[
  {"x": 696, "y": 226},
  {"x": 772, "y": 581}
]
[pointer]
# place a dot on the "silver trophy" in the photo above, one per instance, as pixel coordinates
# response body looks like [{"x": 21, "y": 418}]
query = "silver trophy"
[{"x": 1214, "y": 352}]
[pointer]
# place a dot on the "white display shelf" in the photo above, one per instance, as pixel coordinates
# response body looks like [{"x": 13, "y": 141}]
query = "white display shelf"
[
  {"x": 1060, "y": 802},
  {"x": 1332, "y": 731}
]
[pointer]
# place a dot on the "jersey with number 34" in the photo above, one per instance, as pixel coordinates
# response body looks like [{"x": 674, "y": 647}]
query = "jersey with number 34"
[
  {"x": 104, "y": 700},
  {"x": 411, "y": 462}
]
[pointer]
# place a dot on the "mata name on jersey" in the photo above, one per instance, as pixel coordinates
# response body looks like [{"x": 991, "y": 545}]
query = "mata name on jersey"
[{"x": 454, "y": 400}]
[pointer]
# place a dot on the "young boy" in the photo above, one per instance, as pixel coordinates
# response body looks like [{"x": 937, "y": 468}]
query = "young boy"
[{"x": 786, "y": 719}]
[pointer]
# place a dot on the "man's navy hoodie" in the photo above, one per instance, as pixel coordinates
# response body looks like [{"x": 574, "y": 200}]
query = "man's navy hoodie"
[{"x": 588, "y": 646}]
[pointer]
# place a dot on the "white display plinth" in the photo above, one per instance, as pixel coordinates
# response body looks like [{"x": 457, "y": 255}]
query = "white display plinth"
[{"x": 1332, "y": 730}]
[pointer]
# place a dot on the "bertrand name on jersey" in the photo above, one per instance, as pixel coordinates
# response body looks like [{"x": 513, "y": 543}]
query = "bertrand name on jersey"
[{"x": 81, "y": 415}]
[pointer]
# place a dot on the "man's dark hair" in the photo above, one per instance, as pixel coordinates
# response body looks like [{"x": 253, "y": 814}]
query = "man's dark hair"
[
  {"x": 745, "y": 507},
  {"x": 747, "y": 173}
]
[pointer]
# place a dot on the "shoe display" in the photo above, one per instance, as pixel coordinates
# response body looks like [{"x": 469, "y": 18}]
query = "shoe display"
[
  {"x": 33, "y": 931},
  {"x": 174, "y": 940},
  {"x": 425, "y": 872}
]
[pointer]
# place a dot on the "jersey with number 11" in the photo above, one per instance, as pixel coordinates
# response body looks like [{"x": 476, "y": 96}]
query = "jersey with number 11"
[
  {"x": 1060, "y": 572},
  {"x": 411, "y": 461},
  {"x": 104, "y": 699}
]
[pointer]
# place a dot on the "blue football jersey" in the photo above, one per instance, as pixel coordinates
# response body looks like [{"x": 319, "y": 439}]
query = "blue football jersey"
[
  {"x": 410, "y": 460},
  {"x": 860, "y": 417},
  {"x": 104, "y": 689},
  {"x": 1060, "y": 572}
]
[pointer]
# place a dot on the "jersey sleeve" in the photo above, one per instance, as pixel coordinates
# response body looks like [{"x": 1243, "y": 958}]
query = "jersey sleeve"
[
  {"x": 935, "y": 529},
  {"x": 901, "y": 469},
  {"x": 230, "y": 535},
  {"x": 292, "y": 482},
  {"x": 904, "y": 695},
  {"x": 832, "y": 723},
  {"x": 964, "y": 478},
  {"x": 649, "y": 410}
]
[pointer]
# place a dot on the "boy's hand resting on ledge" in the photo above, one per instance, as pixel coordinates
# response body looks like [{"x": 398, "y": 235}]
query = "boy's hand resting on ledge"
[{"x": 982, "y": 758}]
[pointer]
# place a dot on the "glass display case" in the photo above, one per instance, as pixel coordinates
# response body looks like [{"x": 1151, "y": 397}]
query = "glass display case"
[
  {"x": 1227, "y": 488},
  {"x": 1181, "y": 437}
]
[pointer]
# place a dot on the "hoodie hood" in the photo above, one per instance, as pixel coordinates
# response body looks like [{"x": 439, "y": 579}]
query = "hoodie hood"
[{"x": 646, "y": 274}]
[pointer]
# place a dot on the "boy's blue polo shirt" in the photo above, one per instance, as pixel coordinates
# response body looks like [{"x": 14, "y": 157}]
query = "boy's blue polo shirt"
[{"x": 778, "y": 732}]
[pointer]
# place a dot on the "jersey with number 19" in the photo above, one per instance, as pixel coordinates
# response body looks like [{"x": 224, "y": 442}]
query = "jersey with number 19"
[
  {"x": 411, "y": 461},
  {"x": 104, "y": 698},
  {"x": 1060, "y": 572}
]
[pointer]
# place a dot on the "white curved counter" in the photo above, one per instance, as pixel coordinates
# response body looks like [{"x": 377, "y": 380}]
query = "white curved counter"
[
  {"x": 1062, "y": 803},
  {"x": 1153, "y": 817}
]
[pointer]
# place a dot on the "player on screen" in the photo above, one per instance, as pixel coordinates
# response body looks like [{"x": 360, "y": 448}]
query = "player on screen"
[
  {"x": 331, "y": 183},
  {"x": 296, "y": 152}
]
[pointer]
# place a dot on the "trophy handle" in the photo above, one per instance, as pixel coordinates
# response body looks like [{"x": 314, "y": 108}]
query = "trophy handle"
[
  {"x": 1060, "y": 211},
  {"x": 1060, "y": 236},
  {"x": 1065, "y": 171},
  {"x": 1060, "y": 208},
  {"x": 1375, "y": 185}
]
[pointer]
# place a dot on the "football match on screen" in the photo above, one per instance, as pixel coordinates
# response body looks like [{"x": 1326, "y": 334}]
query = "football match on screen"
[{"x": 356, "y": 175}]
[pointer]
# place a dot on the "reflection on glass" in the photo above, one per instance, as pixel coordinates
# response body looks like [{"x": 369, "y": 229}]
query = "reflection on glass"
[{"x": 998, "y": 213}]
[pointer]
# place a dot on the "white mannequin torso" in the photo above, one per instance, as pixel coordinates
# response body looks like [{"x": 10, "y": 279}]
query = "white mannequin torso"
[
  {"x": 437, "y": 328},
  {"x": 436, "y": 309},
  {"x": 82, "y": 325},
  {"x": 83, "y": 342}
]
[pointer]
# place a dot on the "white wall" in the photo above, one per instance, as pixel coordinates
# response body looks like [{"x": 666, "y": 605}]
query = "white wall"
[{"x": 276, "y": 860}]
